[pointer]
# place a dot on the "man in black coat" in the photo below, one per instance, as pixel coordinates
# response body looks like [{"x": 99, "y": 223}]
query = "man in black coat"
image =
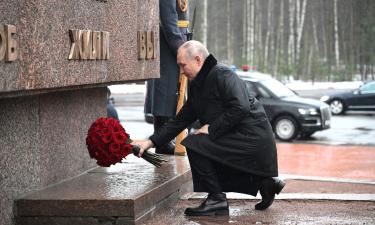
[
  {"x": 235, "y": 150},
  {"x": 161, "y": 95}
]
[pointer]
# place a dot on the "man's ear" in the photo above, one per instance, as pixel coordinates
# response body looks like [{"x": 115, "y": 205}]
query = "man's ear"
[{"x": 198, "y": 59}]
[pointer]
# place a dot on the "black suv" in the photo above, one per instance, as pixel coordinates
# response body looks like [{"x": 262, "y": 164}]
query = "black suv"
[{"x": 290, "y": 115}]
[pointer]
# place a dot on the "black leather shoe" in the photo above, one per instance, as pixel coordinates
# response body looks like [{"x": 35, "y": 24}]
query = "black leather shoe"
[
  {"x": 269, "y": 187},
  {"x": 215, "y": 204}
]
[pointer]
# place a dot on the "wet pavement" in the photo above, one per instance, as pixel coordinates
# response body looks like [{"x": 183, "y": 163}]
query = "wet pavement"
[
  {"x": 330, "y": 179},
  {"x": 282, "y": 212},
  {"x": 326, "y": 184},
  {"x": 328, "y": 161}
]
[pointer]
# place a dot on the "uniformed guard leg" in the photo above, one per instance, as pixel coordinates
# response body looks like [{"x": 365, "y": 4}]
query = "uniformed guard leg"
[
  {"x": 169, "y": 147},
  {"x": 204, "y": 173}
]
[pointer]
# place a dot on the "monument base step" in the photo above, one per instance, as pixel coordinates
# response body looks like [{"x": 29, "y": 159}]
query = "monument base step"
[{"x": 126, "y": 193}]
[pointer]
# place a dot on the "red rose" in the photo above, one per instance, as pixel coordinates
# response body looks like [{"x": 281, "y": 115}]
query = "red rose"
[
  {"x": 107, "y": 141},
  {"x": 119, "y": 138}
]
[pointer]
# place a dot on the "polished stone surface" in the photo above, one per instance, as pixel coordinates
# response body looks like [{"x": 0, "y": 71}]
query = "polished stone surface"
[
  {"x": 131, "y": 190},
  {"x": 44, "y": 44},
  {"x": 42, "y": 141}
]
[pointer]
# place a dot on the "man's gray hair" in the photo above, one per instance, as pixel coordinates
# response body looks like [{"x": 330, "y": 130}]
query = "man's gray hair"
[{"x": 194, "y": 48}]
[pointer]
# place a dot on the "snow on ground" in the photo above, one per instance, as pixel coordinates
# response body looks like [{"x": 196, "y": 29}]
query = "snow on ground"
[
  {"x": 294, "y": 85},
  {"x": 303, "y": 85},
  {"x": 127, "y": 88}
]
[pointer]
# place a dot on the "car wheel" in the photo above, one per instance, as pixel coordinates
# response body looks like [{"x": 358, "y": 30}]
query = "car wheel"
[
  {"x": 337, "y": 107},
  {"x": 285, "y": 128}
]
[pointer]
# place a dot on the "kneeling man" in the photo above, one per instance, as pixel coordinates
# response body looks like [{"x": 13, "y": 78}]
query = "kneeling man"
[{"x": 234, "y": 150}]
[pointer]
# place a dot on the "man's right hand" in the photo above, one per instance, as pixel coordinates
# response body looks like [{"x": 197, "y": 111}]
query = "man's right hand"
[{"x": 144, "y": 145}]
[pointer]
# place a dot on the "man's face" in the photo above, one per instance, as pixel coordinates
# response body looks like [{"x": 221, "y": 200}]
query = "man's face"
[{"x": 189, "y": 66}]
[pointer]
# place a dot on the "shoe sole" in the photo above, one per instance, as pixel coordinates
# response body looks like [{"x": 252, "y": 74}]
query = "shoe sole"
[
  {"x": 280, "y": 186},
  {"x": 223, "y": 212}
]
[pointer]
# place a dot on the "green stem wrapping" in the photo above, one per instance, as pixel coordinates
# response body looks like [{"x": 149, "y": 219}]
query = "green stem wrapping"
[{"x": 153, "y": 158}]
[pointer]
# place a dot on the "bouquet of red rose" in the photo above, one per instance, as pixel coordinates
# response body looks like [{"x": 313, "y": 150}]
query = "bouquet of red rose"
[{"x": 108, "y": 143}]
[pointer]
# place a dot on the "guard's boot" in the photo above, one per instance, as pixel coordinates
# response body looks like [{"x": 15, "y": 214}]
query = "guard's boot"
[
  {"x": 268, "y": 188},
  {"x": 168, "y": 148},
  {"x": 215, "y": 204}
]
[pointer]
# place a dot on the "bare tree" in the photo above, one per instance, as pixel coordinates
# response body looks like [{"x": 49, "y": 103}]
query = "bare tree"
[
  {"x": 300, "y": 15},
  {"x": 279, "y": 40},
  {"x": 244, "y": 30},
  {"x": 269, "y": 30},
  {"x": 229, "y": 35},
  {"x": 336, "y": 35},
  {"x": 204, "y": 22},
  {"x": 251, "y": 35},
  {"x": 291, "y": 48}
]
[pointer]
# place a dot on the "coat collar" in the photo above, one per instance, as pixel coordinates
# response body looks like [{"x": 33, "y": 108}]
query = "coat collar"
[{"x": 208, "y": 64}]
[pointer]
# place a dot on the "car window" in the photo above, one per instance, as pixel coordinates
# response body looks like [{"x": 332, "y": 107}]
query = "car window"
[
  {"x": 263, "y": 92},
  {"x": 368, "y": 88},
  {"x": 252, "y": 89},
  {"x": 277, "y": 88}
]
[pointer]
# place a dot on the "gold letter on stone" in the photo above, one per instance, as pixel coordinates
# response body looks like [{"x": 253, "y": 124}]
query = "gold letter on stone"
[
  {"x": 75, "y": 49},
  {"x": 150, "y": 45},
  {"x": 141, "y": 45},
  {"x": 94, "y": 40},
  {"x": 11, "y": 50},
  {"x": 105, "y": 45},
  {"x": 3, "y": 42},
  {"x": 97, "y": 39},
  {"x": 86, "y": 44}
]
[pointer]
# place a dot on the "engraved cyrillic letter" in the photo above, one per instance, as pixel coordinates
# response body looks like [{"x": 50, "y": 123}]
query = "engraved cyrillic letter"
[
  {"x": 76, "y": 47},
  {"x": 150, "y": 45},
  {"x": 105, "y": 45},
  {"x": 141, "y": 44},
  {"x": 11, "y": 43},
  {"x": 98, "y": 42},
  {"x": 3, "y": 42},
  {"x": 86, "y": 44}
]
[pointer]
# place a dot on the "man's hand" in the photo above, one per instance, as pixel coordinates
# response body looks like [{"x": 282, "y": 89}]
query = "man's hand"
[
  {"x": 203, "y": 129},
  {"x": 144, "y": 145}
]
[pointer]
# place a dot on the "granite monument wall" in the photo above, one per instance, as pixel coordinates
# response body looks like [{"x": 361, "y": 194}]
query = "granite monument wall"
[{"x": 56, "y": 59}]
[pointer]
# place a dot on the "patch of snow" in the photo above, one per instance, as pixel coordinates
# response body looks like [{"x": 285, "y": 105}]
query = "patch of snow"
[
  {"x": 127, "y": 88},
  {"x": 302, "y": 85},
  {"x": 294, "y": 85}
]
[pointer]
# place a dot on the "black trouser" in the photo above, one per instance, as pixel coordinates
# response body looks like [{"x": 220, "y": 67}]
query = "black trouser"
[{"x": 213, "y": 177}]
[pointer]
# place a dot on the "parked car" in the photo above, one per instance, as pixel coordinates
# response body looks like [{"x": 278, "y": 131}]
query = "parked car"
[
  {"x": 289, "y": 114},
  {"x": 361, "y": 99}
]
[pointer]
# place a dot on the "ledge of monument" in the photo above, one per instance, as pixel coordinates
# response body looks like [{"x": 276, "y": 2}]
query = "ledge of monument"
[{"x": 127, "y": 190}]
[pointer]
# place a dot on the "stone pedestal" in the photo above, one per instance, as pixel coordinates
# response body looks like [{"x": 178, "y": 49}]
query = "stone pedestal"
[
  {"x": 127, "y": 193},
  {"x": 48, "y": 101}
]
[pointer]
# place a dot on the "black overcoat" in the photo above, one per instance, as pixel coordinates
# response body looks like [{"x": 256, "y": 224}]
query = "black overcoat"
[
  {"x": 162, "y": 93},
  {"x": 240, "y": 135}
]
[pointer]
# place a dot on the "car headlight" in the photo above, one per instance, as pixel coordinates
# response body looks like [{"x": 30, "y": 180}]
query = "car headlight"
[
  {"x": 311, "y": 111},
  {"x": 324, "y": 98}
]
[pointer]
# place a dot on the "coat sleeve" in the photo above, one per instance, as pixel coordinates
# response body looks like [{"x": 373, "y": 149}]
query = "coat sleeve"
[
  {"x": 174, "y": 126},
  {"x": 168, "y": 24},
  {"x": 236, "y": 104}
]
